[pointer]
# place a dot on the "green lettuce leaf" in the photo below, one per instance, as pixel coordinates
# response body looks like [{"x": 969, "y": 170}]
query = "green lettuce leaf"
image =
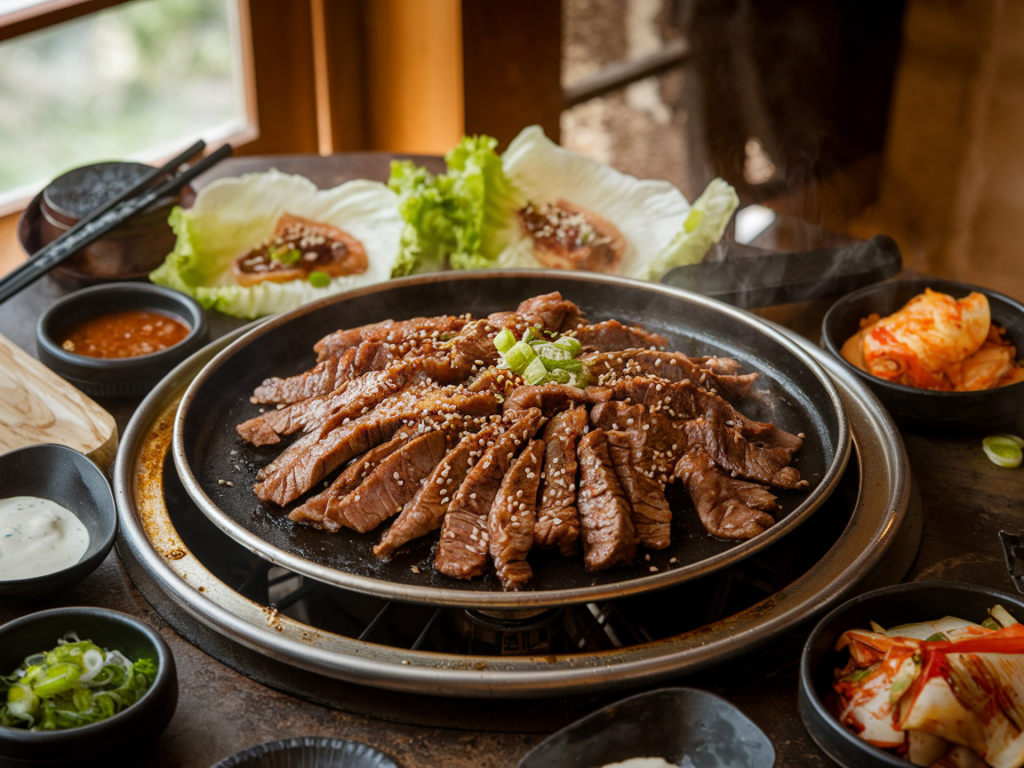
[
  {"x": 703, "y": 227},
  {"x": 231, "y": 216},
  {"x": 460, "y": 216}
]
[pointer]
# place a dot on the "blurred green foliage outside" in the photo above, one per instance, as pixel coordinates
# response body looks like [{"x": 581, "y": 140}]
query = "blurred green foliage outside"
[{"x": 147, "y": 74}]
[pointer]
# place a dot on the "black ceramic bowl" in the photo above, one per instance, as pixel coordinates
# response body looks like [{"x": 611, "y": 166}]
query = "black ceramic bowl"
[
  {"x": 304, "y": 752},
  {"x": 120, "y": 377},
  {"x": 130, "y": 251},
  {"x": 110, "y": 742},
  {"x": 671, "y": 723},
  {"x": 920, "y": 408},
  {"x": 63, "y": 475},
  {"x": 890, "y": 606}
]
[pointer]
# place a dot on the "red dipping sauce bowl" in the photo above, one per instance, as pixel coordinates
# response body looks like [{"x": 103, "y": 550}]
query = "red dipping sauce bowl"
[{"x": 130, "y": 376}]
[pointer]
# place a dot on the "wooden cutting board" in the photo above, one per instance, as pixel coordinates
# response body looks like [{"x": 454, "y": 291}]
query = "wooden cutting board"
[{"x": 37, "y": 406}]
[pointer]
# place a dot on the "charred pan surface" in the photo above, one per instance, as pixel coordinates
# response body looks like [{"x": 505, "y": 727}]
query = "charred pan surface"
[
  {"x": 607, "y": 527},
  {"x": 511, "y": 518},
  {"x": 558, "y": 524},
  {"x": 462, "y": 550}
]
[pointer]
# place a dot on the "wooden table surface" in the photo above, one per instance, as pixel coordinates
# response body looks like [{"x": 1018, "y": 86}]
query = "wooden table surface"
[{"x": 966, "y": 500}]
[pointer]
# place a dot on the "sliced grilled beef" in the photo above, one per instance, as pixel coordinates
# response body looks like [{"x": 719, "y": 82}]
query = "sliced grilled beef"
[
  {"x": 611, "y": 336},
  {"x": 607, "y": 367},
  {"x": 549, "y": 311},
  {"x": 324, "y": 377},
  {"x": 391, "y": 485},
  {"x": 558, "y": 523},
  {"x": 607, "y": 529},
  {"x": 511, "y": 517},
  {"x": 462, "y": 549},
  {"x": 313, "y": 457},
  {"x": 350, "y": 400},
  {"x": 334, "y": 344},
  {"x": 426, "y": 511},
  {"x": 314, "y": 511},
  {"x": 755, "y": 451},
  {"x": 729, "y": 508},
  {"x": 551, "y": 398},
  {"x": 649, "y": 510},
  {"x": 401, "y": 337}
]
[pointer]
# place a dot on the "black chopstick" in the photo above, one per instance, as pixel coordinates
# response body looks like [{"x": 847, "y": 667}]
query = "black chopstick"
[{"x": 108, "y": 216}]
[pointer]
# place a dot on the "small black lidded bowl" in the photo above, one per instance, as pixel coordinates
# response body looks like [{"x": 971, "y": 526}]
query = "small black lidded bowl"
[
  {"x": 67, "y": 477},
  {"x": 128, "y": 252},
  {"x": 921, "y": 408},
  {"x": 117, "y": 377},
  {"x": 106, "y": 743},
  {"x": 893, "y": 606}
]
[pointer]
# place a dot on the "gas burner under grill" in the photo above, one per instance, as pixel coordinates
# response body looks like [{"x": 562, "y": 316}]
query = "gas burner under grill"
[{"x": 325, "y": 643}]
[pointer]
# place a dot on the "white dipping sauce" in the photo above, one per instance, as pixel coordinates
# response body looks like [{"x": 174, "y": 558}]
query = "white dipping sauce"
[
  {"x": 38, "y": 536},
  {"x": 643, "y": 762}
]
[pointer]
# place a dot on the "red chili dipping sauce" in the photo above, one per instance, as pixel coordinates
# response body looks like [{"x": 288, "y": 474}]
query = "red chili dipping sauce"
[{"x": 128, "y": 333}]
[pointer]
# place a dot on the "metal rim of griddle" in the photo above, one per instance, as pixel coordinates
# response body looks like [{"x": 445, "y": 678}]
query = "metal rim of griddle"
[
  {"x": 433, "y": 595},
  {"x": 146, "y": 530}
]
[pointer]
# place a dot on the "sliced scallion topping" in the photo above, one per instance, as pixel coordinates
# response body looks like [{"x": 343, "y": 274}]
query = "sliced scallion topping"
[
  {"x": 519, "y": 356},
  {"x": 1004, "y": 450},
  {"x": 542, "y": 361},
  {"x": 504, "y": 341},
  {"x": 535, "y": 373}
]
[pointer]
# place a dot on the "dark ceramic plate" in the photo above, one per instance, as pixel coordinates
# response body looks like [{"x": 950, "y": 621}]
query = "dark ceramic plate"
[
  {"x": 799, "y": 397},
  {"x": 63, "y": 475},
  {"x": 890, "y": 606},
  {"x": 676, "y": 724},
  {"x": 921, "y": 408},
  {"x": 111, "y": 742},
  {"x": 309, "y": 752}
]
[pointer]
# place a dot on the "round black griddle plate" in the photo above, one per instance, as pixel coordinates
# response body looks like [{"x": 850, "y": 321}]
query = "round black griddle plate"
[{"x": 795, "y": 394}]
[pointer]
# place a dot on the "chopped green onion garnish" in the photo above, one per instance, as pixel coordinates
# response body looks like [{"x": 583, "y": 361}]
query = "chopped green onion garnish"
[
  {"x": 74, "y": 684},
  {"x": 504, "y": 341},
  {"x": 535, "y": 372},
  {"x": 540, "y": 361},
  {"x": 319, "y": 279},
  {"x": 1003, "y": 450},
  {"x": 519, "y": 356},
  {"x": 569, "y": 344}
]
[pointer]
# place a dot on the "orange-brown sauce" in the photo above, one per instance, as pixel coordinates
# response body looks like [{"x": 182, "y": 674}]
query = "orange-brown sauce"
[{"x": 127, "y": 333}]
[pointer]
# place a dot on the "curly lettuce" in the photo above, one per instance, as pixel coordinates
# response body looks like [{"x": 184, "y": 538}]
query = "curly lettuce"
[
  {"x": 231, "y": 216},
  {"x": 462, "y": 216}
]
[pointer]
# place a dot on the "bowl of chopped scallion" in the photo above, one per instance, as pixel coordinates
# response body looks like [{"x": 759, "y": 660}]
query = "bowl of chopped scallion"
[{"x": 82, "y": 687}]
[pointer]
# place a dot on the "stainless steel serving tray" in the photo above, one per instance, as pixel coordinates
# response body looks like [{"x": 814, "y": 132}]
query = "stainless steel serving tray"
[{"x": 218, "y": 469}]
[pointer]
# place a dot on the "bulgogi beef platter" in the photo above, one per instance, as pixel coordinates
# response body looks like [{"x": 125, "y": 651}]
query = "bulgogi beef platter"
[{"x": 425, "y": 451}]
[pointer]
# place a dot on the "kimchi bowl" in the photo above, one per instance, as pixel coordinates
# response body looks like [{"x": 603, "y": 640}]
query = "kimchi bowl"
[
  {"x": 925, "y": 408},
  {"x": 902, "y": 604}
]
